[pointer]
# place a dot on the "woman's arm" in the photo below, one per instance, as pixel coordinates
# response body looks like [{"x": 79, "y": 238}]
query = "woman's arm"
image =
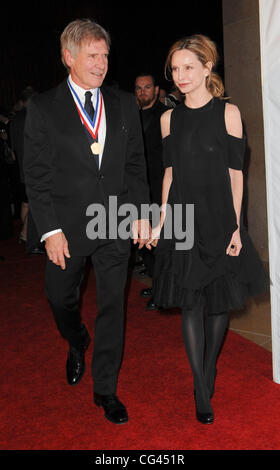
[
  {"x": 234, "y": 127},
  {"x": 166, "y": 182},
  {"x": 167, "y": 179},
  {"x": 236, "y": 179}
]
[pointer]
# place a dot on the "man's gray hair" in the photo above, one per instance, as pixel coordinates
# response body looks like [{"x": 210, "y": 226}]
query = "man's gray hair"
[{"x": 78, "y": 31}]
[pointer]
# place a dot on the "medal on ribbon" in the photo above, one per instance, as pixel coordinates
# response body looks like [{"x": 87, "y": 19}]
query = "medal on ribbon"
[
  {"x": 96, "y": 148},
  {"x": 92, "y": 125}
]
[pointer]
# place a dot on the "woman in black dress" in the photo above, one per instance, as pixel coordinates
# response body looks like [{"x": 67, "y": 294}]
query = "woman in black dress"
[{"x": 203, "y": 155}]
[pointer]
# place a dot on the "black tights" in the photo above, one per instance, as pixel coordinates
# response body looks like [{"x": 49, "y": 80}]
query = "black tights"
[{"x": 203, "y": 339}]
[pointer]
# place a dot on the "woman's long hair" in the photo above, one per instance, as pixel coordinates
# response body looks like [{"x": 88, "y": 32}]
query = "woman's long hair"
[{"x": 206, "y": 51}]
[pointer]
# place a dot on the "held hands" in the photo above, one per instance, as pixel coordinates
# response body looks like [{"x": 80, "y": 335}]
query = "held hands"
[
  {"x": 235, "y": 245},
  {"x": 153, "y": 240},
  {"x": 141, "y": 230},
  {"x": 57, "y": 248}
]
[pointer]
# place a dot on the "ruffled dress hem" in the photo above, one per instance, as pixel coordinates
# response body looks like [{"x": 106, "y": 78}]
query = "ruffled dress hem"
[{"x": 223, "y": 294}]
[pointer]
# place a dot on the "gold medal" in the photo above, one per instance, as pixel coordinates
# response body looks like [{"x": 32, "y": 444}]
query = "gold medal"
[{"x": 96, "y": 148}]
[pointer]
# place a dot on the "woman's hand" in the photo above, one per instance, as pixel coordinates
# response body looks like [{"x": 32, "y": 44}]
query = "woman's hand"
[
  {"x": 235, "y": 244},
  {"x": 153, "y": 240}
]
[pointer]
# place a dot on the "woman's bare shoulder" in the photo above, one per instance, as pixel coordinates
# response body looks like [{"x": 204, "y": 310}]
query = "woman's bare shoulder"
[
  {"x": 165, "y": 123},
  {"x": 233, "y": 120}
]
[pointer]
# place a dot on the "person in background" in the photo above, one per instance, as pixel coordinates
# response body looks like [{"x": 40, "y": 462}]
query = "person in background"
[
  {"x": 162, "y": 95},
  {"x": 151, "y": 109},
  {"x": 173, "y": 98},
  {"x": 17, "y": 144},
  {"x": 6, "y": 159}
]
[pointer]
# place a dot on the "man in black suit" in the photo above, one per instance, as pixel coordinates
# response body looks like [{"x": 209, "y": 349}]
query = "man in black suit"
[{"x": 83, "y": 145}]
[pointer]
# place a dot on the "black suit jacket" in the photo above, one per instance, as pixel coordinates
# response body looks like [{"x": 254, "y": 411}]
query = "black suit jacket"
[{"x": 61, "y": 176}]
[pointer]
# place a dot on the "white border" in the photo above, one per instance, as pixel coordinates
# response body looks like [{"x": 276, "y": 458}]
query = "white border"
[{"x": 269, "y": 14}]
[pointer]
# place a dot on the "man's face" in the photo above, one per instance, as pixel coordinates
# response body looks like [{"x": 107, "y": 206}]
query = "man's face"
[
  {"x": 89, "y": 65},
  {"x": 145, "y": 91}
]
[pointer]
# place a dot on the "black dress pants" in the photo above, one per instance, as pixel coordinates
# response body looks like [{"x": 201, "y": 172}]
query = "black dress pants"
[{"x": 63, "y": 293}]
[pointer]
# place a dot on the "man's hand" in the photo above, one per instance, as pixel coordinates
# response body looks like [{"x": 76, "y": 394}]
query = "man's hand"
[
  {"x": 141, "y": 230},
  {"x": 57, "y": 248}
]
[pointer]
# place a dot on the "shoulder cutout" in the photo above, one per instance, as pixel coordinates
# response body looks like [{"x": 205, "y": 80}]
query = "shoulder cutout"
[
  {"x": 233, "y": 120},
  {"x": 165, "y": 123}
]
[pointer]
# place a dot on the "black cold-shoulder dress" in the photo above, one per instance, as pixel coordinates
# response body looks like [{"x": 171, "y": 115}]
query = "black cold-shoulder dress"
[{"x": 200, "y": 151}]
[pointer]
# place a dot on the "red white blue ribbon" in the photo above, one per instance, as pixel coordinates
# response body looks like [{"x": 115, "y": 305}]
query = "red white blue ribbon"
[{"x": 92, "y": 125}]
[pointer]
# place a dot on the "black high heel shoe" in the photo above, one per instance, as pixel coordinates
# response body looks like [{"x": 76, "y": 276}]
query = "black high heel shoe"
[{"x": 203, "y": 417}]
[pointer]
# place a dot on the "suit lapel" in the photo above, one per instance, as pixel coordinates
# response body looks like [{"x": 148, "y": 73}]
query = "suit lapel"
[{"x": 69, "y": 116}]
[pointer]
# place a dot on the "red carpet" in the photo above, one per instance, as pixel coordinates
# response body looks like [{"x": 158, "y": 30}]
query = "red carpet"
[{"x": 40, "y": 411}]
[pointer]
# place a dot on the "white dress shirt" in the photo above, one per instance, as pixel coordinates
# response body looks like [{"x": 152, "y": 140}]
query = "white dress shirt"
[{"x": 101, "y": 131}]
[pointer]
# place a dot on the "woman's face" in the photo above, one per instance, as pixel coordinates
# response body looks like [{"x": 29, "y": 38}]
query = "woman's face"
[{"x": 188, "y": 72}]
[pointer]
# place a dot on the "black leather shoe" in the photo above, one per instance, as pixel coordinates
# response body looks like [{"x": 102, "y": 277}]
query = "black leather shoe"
[
  {"x": 147, "y": 292},
  {"x": 152, "y": 306},
  {"x": 115, "y": 411},
  {"x": 205, "y": 418},
  {"x": 75, "y": 365}
]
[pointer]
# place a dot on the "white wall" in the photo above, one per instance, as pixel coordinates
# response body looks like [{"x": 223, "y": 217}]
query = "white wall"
[{"x": 269, "y": 13}]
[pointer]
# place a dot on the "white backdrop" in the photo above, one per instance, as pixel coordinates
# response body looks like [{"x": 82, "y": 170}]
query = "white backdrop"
[{"x": 269, "y": 11}]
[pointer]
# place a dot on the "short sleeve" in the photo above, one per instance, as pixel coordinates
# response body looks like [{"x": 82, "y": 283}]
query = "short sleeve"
[
  {"x": 236, "y": 151},
  {"x": 167, "y": 149}
]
